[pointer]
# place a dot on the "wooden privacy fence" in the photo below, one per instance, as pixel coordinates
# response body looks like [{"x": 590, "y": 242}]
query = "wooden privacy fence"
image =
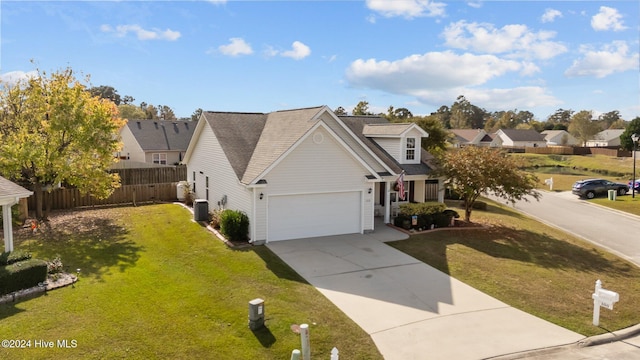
[
  {"x": 69, "y": 198},
  {"x": 138, "y": 176}
]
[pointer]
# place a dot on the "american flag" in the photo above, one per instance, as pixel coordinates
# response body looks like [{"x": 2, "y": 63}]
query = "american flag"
[{"x": 400, "y": 183}]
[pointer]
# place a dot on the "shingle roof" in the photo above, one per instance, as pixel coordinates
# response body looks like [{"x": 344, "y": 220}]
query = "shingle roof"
[
  {"x": 385, "y": 129},
  {"x": 357, "y": 124},
  {"x": 608, "y": 135},
  {"x": 238, "y": 134},
  {"x": 523, "y": 134},
  {"x": 9, "y": 189},
  {"x": 162, "y": 135},
  {"x": 465, "y": 135},
  {"x": 281, "y": 130}
]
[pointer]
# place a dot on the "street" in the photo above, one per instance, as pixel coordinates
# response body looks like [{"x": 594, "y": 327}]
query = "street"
[{"x": 613, "y": 230}]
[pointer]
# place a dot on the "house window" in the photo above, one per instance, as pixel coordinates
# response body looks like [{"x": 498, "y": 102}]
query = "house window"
[
  {"x": 411, "y": 149},
  {"x": 159, "y": 158},
  {"x": 193, "y": 186},
  {"x": 206, "y": 184}
]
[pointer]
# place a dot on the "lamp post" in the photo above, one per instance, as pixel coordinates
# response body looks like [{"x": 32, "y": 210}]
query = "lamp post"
[{"x": 634, "y": 138}]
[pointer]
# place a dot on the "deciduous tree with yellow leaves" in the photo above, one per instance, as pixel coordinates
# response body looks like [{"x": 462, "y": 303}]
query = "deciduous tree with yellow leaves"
[{"x": 52, "y": 131}]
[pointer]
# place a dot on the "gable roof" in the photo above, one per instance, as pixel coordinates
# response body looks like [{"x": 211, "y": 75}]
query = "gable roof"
[
  {"x": 387, "y": 129},
  {"x": 9, "y": 191},
  {"x": 357, "y": 124},
  {"x": 608, "y": 135},
  {"x": 467, "y": 135},
  {"x": 238, "y": 134},
  {"x": 522, "y": 134},
  {"x": 281, "y": 130},
  {"x": 162, "y": 135}
]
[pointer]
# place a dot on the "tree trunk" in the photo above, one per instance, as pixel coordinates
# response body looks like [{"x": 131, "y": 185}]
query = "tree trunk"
[
  {"x": 47, "y": 204},
  {"x": 37, "y": 193}
]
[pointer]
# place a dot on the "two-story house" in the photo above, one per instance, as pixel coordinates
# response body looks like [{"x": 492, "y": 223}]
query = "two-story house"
[
  {"x": 308, "y": 172},
  {"x": 155, "y": 141}
]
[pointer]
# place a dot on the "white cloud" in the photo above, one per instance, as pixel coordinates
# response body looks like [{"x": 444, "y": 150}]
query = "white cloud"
[
  {"x": 612, "y": 58},
  {"x": 550, "y": 15},
  {"x": 407, "y": 8},
  {"x": 475, "y": 4},
  {"x": 236, "y": 47},
  {"x": 439, "y": 77},
  {"x": 607, "y": 19},
  {"x": 514, "y": 40},
  {"x": 13, "y": 77},
  {"x": 434, "y": 70},
  {"x": 217, "y": 2},
  {"x": 298, "y": 51},
  {"x": 142, "y": 34}
]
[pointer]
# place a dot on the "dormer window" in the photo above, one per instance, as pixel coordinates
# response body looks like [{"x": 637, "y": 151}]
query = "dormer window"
[{"x": 410, "y": 152}]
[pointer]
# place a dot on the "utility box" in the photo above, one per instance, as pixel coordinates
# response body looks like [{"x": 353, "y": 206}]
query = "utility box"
[
  {"x": 256, "y": 314},
  {"x": 612, "y": 195},
  {"x": 200, "y": 210}
]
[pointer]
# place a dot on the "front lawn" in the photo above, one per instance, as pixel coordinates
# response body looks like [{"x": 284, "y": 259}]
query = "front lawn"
[
  {"x": 155, "y": 285},
  {"x": 538, "y": 269}
]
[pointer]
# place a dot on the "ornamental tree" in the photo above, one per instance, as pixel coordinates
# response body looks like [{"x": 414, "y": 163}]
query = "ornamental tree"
[
  {"x": 52, "y": 131},
  {"x": 473, "y": 170}
]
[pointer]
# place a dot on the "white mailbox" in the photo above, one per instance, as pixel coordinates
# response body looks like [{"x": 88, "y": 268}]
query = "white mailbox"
[
  {"x": 606, "y": 298},
  {"x": 602, "y": 298}
]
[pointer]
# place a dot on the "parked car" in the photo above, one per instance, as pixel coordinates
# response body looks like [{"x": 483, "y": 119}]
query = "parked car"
[
  {"x": 637, "y": 184},
  {"x": 591, "y": 188}
]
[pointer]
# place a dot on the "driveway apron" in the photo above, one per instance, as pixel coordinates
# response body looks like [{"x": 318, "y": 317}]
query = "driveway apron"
[{"x": 410, "y": 309}]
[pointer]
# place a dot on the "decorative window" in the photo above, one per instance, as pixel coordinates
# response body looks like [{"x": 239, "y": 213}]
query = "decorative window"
[
  {"x": 159, "y": 158},
  {"x": 410, "y": 153}
]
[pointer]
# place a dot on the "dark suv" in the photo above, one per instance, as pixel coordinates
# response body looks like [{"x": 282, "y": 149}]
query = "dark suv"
[{"x": 594, "y": 187}]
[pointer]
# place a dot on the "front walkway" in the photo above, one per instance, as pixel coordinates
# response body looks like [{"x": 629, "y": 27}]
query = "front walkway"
[{"x": 411, "y": 310}]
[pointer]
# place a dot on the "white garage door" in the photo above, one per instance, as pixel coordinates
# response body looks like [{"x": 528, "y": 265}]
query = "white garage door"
[{"x": 310, "y": 215}]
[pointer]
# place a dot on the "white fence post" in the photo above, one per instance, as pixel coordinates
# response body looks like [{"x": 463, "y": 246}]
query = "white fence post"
[
  {"x": 295, "y": 354},
  {"x": 334, "y": 354},
  {"x": 304, "y": 338}
]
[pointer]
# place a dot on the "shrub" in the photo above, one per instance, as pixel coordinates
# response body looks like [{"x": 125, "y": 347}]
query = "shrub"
[
  {"x": 214, "y": 218},
  {"x": 54, "y": 266},
  {"x": 22, "y": 275},
  {"x": 426, "y": 208},
  {"x": 234, "y": 225},
  {"x": 8, "y": 258}
]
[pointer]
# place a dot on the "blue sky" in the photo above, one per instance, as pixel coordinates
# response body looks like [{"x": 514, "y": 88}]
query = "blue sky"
[{"x": 262, "y": 56}]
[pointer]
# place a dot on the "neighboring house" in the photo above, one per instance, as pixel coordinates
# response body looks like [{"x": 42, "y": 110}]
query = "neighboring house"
[
  {"x": 10, "y": 194},
  {"x": 519, "y": 138},
  {"x": 477, "y": 137},
  {"x": 559, "y": 138},
  {"x": 308, "y": 172},
  {"x": 604, "y": 138},
  {"x": 155, "y": 141}
]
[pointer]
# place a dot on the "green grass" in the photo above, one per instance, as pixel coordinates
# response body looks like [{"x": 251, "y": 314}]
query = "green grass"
[
  {"x": 533, "y": 267},
  {"x": 154, "y": 284}
]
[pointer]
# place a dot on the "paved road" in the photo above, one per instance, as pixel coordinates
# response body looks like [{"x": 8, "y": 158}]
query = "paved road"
[{"x": 613, "y": 230}]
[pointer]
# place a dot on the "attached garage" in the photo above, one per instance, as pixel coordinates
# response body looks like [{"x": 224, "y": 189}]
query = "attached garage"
[{"x": 312, "y": 215}]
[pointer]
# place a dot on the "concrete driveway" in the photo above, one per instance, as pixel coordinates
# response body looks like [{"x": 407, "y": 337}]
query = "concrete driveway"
[{"x": 411, "y": 310}]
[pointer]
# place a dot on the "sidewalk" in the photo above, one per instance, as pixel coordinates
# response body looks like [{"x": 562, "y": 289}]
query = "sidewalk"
[{"x": 411, "y": 310}]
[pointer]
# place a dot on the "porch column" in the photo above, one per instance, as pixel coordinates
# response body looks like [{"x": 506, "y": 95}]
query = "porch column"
[
  {"x": 387, "y": 203},
  {"x": 8, "y": 231}
]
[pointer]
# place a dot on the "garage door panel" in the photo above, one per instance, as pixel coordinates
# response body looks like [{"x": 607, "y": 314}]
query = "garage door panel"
[{"x": 310, "y": 215}]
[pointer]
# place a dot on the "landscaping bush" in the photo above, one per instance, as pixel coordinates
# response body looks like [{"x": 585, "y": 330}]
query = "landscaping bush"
[
  {"x": 234, "y": 225},
  {"x": 426, "y": 208},
  {"x": 8, "y": 258},
  {"x": 214, "y": 218},
  {"x": 22, "y": 275}
]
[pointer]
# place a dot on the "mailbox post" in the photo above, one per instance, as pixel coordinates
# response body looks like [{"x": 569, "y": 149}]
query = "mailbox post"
[{"x": 604, "y": 298}]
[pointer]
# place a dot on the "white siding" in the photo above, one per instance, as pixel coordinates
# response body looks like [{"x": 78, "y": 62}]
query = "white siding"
[
  {"x": 130, "y": 146},
  {"x": 209, "y": 158},
  {"x": 320, "y": 167},
  {"x": 391, "y": 145}
]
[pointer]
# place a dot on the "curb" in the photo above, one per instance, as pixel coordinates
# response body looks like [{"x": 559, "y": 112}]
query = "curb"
[
  {"x": 596, "y": 340},
  {"x": 611, "y": 337}
]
